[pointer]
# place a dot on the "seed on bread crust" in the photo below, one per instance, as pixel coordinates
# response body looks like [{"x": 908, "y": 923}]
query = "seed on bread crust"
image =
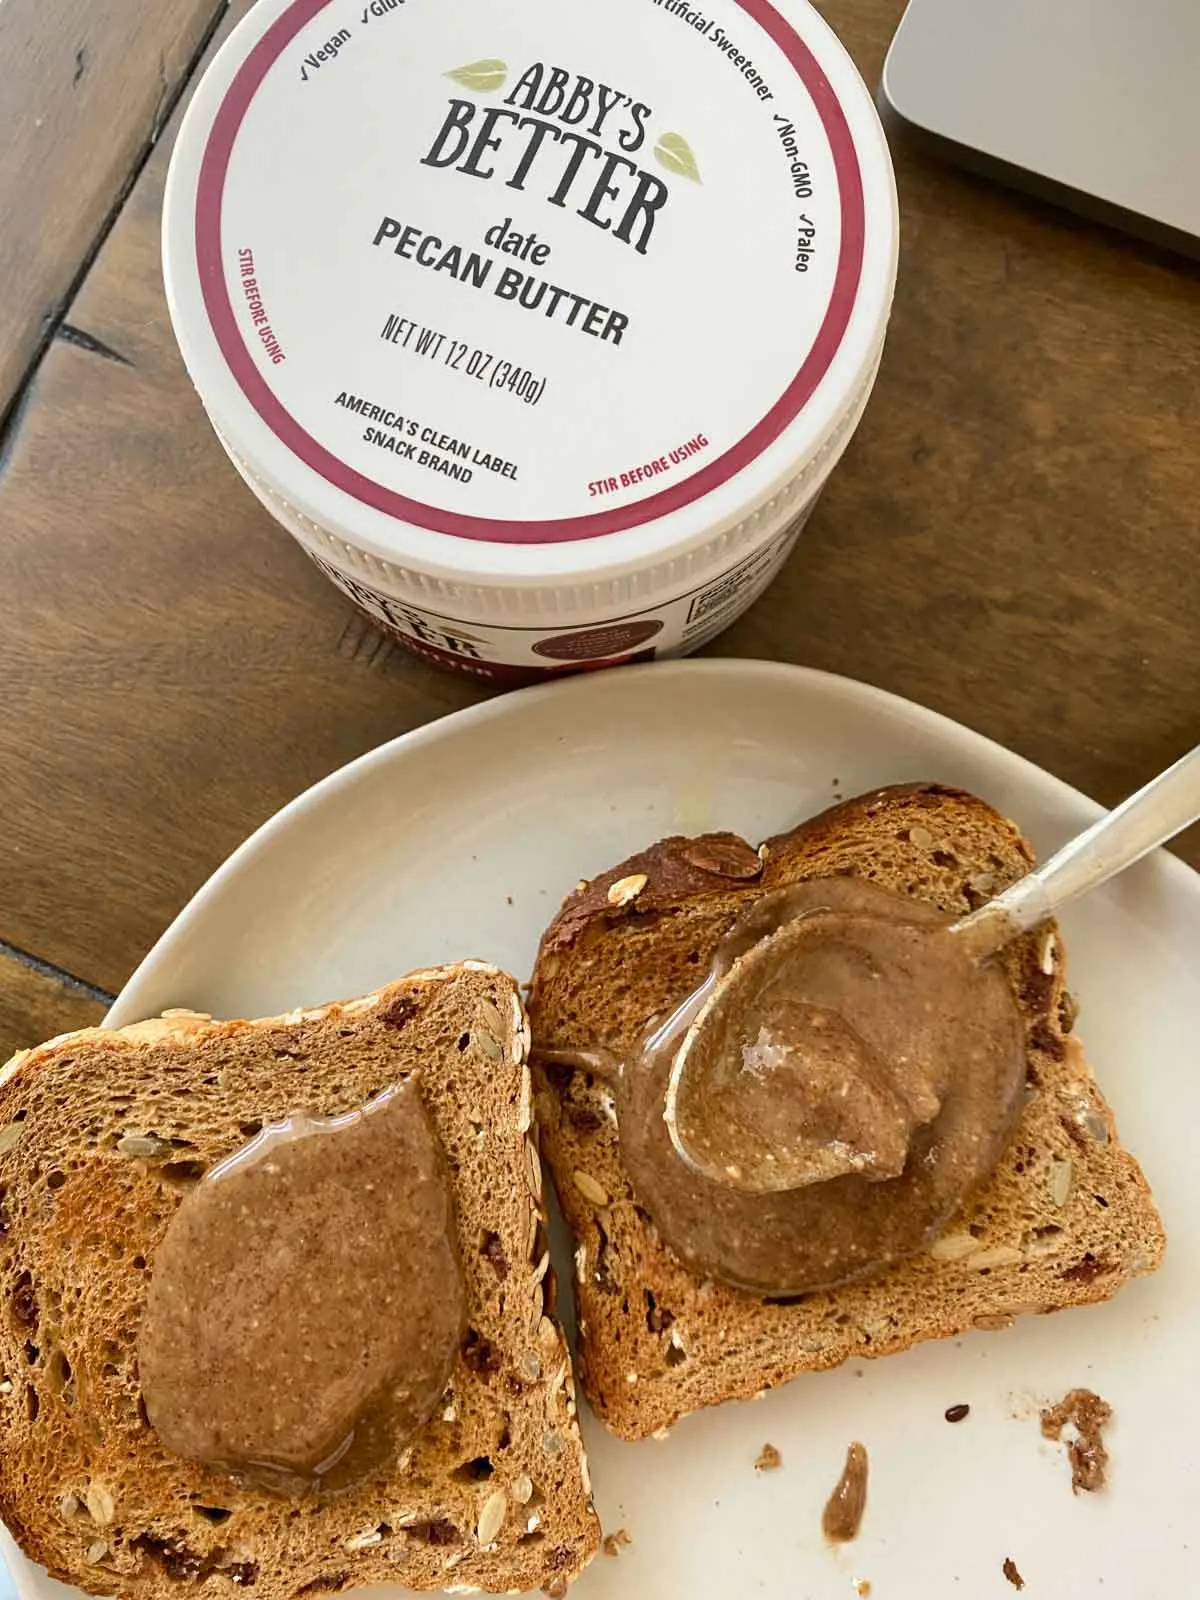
[
  {"x": 533, "y": 1170},
  {"x": 525, "y": 1103},
  {"x": 489, "y": 1044},
  {"x": 100, "y": 1505},
  {"x": 143, "y": 1146},
  {"x": 1062, "y": 1176},
  {"x": 1093, "y": 1124},
  {"x": 491, "y": 1517},
  {"x": 589, "y": 1188},
  {"x": 722, "y": 855},
  {"x": 996, "y": 1255},
  {"x": 493, "y": 1021},
  {"x": 362, "y": 1541},
  {"x": 555, "y": 1386},
  {"x": 627, "y": 889},
  {"x": 953, "y": 1246}
]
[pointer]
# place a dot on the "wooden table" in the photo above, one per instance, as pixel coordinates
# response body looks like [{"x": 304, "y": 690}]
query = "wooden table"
[{"x": 1011, "y": 539}]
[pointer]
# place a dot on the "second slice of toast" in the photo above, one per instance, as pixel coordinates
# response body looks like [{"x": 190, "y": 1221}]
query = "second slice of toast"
[
  {"x": 101, "y": 1135},
  {"x": 1066, "y": 1218}
]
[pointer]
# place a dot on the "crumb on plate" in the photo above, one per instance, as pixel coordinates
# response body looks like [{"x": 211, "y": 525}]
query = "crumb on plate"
[{"x": 1085, "y": 1414}]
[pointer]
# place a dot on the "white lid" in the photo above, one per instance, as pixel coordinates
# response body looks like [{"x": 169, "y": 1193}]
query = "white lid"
[{"x": 539, "y": 289}]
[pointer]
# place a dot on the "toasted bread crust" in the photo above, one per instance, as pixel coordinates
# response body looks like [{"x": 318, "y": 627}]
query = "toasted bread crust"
[
  {"x": 654, "y": 1342},
  {"x": 85, "y": 1194}
]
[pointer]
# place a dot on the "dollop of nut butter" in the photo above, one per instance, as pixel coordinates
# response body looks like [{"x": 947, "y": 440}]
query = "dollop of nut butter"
[
  {"x": 855, "y": 1042},
  {"x": 778, "y": 1082},
  {"x": 307, "y": 1301},
  {"x": 843, "y": 1514}
]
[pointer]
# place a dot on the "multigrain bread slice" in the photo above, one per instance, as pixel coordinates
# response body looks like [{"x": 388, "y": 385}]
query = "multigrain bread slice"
[
  {"x": 1066, "y": 1219},
  {"x": 101, "y": 1133}
]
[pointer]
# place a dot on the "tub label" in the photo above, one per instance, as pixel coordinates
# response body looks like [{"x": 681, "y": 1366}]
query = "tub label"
[
  {"x": 527, "y": 272},
  {"x": 509, "y": 655}
]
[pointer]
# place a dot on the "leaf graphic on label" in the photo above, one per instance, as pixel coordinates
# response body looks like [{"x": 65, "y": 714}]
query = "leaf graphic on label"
[
  {"x": 675, "y": 153},
  {"x": 481, "y": 75}
]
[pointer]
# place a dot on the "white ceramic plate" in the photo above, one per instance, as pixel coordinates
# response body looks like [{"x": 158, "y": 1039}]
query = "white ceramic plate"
[{"x": 460, "y": 840}]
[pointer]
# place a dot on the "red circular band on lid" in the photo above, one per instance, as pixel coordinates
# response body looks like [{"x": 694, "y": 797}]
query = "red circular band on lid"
[{"x": 210, "y": 191}]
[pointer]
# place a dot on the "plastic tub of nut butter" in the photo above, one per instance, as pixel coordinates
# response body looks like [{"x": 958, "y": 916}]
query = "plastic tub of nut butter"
[{"x": 538, "y": 326}]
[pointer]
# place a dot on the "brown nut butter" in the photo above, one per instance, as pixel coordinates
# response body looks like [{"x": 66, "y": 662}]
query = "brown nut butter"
[
  {"x": 864, "y": 1036},
  {"x": 843, "y": 1514},
  {"x": 307, "y": 1301}
]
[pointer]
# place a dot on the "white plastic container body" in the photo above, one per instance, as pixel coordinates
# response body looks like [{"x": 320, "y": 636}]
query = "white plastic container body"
[{"x": 540, "y": 328}]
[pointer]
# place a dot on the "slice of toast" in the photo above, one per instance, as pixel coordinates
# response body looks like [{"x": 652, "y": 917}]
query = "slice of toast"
[
  {"x": 101, "y": 1133},
  {"x": 1066, "y": 1218}
]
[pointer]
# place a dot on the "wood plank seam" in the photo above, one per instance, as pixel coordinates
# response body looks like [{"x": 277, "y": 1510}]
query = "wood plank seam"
[
  {"x": 169, "y": 96},
  {"x": 47, "y": 969},
  {"x": 67, "y": 333},
  {"x": 10, "y": 427},
  {"x": 83, "y": 340}
]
